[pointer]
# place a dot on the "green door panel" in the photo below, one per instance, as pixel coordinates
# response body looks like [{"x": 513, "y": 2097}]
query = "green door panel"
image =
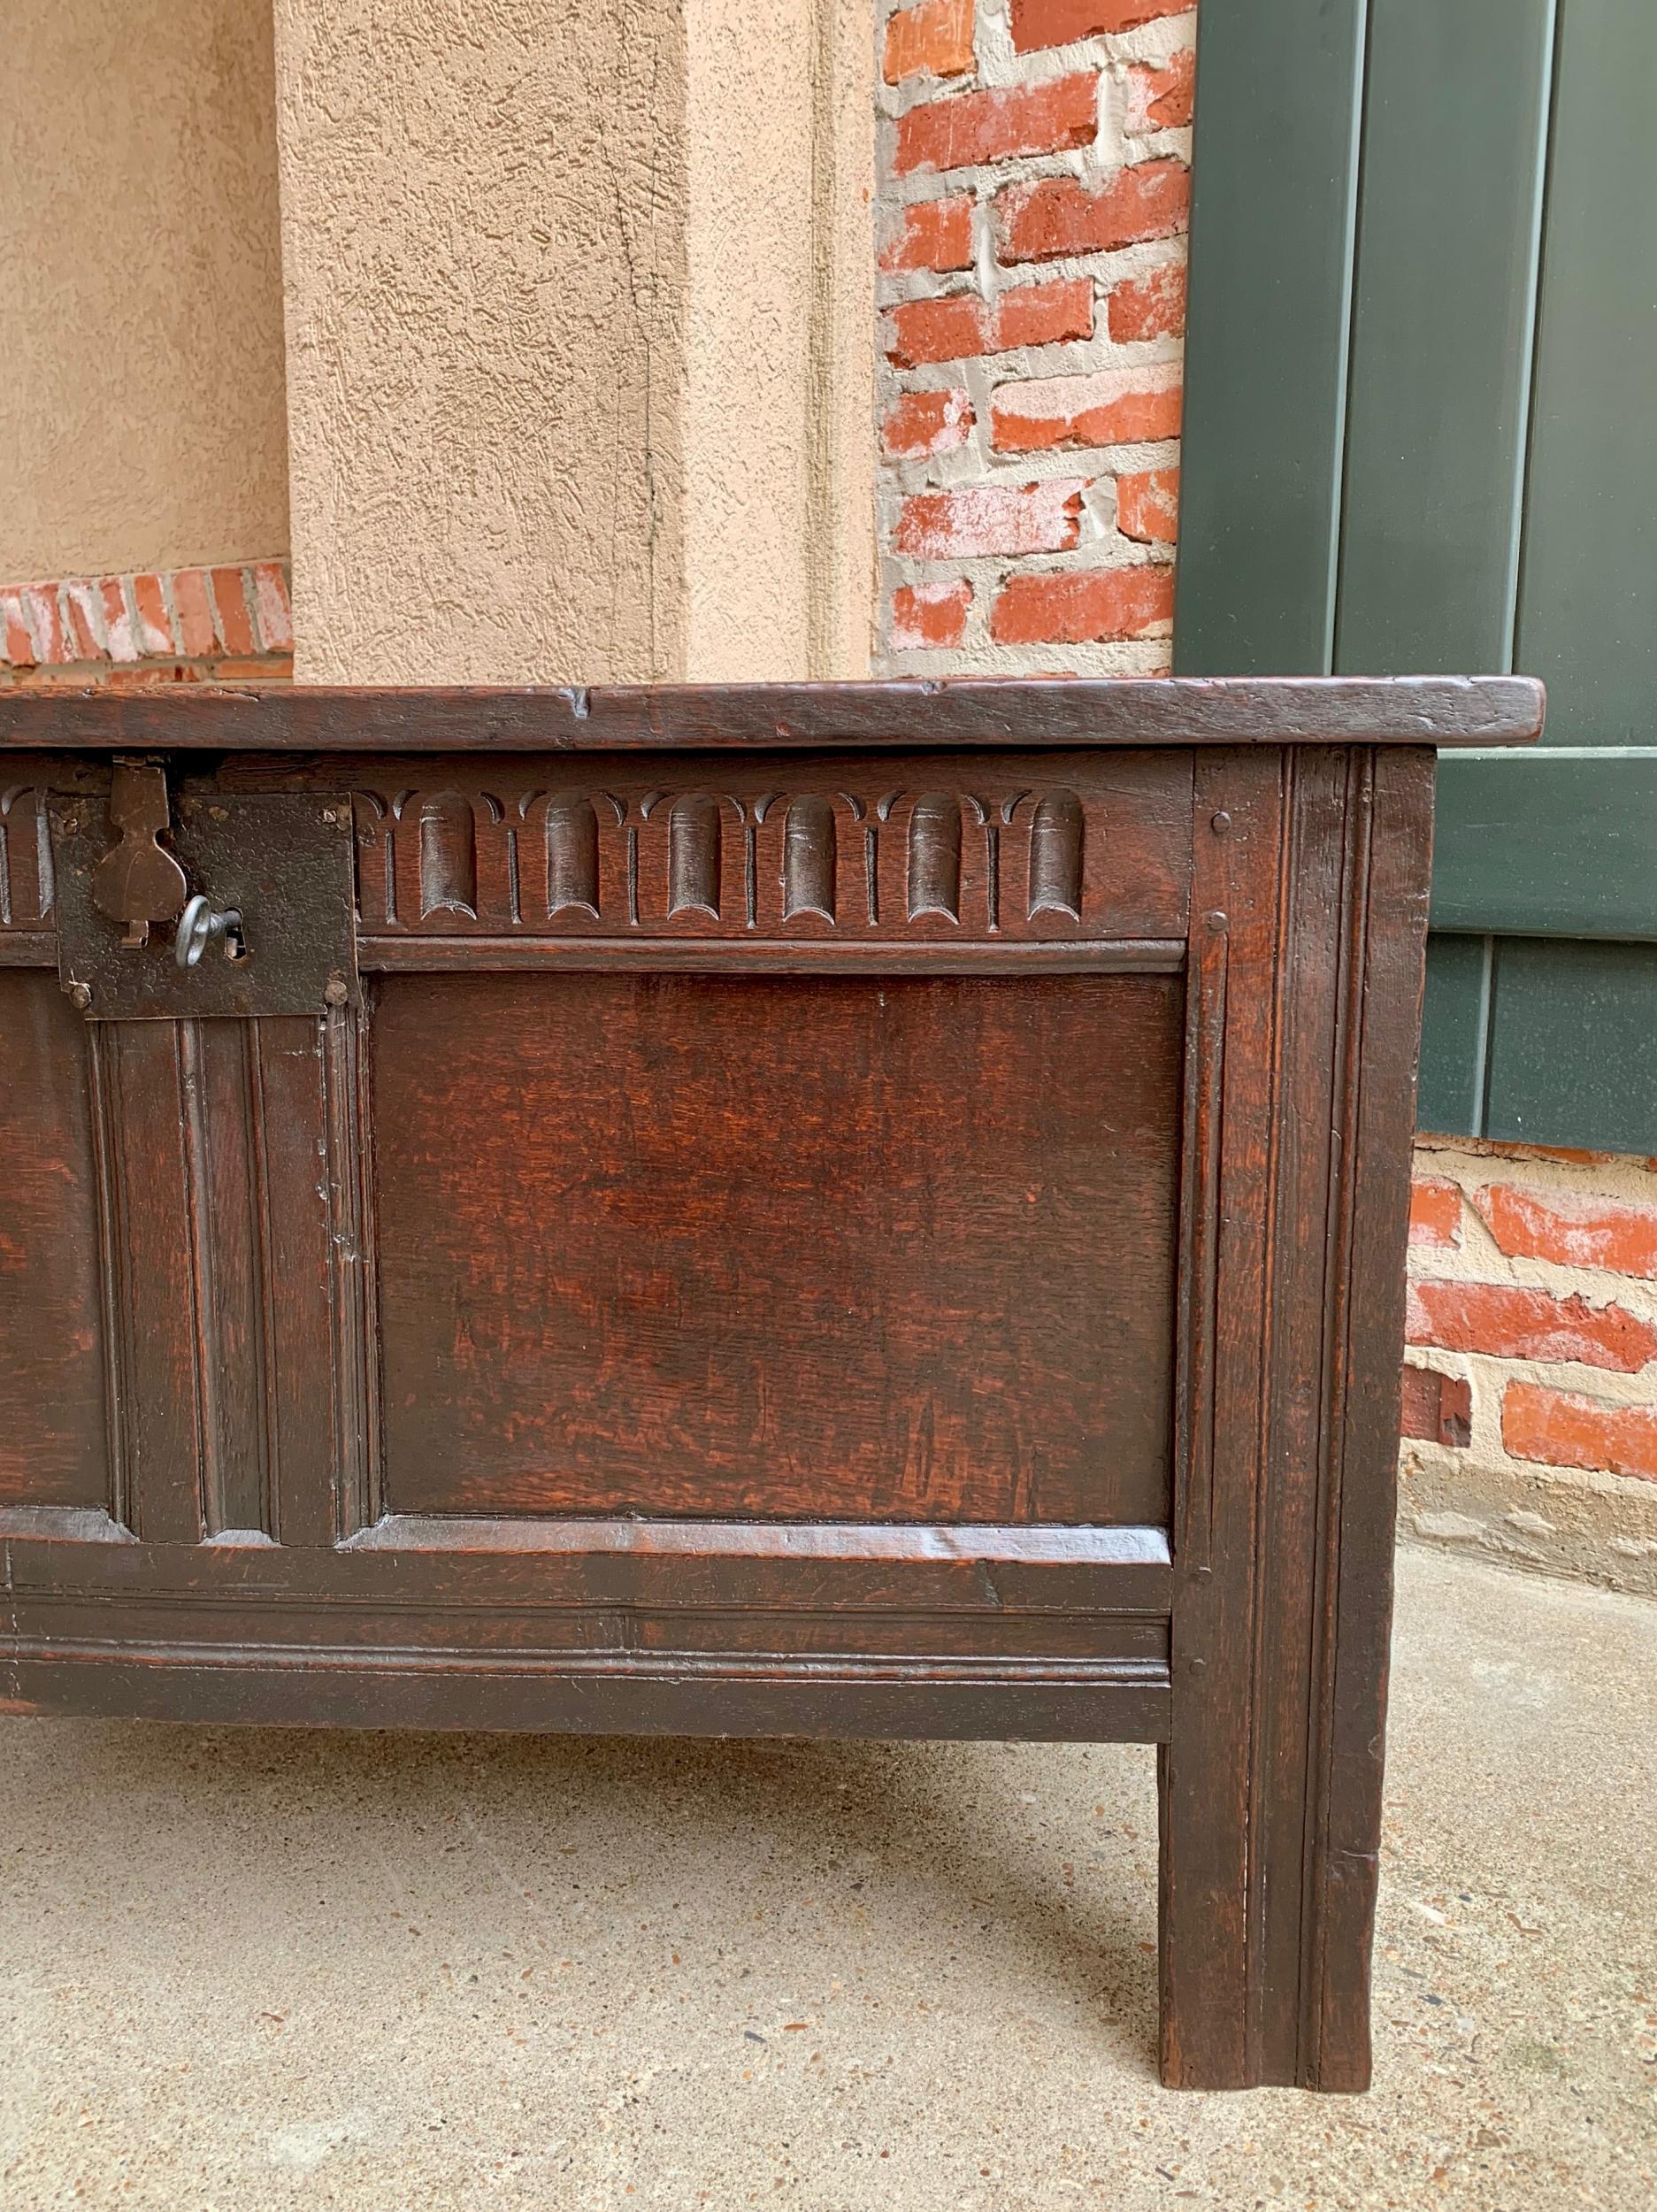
[
  {"x": 1274, "y": 186},
  {"x": 1454, "y": 1027},
  {"x": 1573, "y": 1045},
  {"x": 1541, "y": 1040},
  {"x": 1421, "y": 386},
  {"x": 1560, "y": 841},
  {"x": 1588, "y": 596},
  {"x": 1455, "y": 153}
]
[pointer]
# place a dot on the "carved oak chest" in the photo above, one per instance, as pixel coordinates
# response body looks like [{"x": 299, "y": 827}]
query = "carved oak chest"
[{"x": 847, "y": 1211}]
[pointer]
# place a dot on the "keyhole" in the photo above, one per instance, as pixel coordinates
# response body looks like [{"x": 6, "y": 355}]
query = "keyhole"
[{"x": 200, "y": 926}]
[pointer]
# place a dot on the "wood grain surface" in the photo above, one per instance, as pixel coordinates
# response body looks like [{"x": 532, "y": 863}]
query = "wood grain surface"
[
  {"x": 843, "y": 1209},
  {"x": 906, "y": 714},
  {"x": 53, "y": 1438},
  {"x": 876, "y": 1249}
]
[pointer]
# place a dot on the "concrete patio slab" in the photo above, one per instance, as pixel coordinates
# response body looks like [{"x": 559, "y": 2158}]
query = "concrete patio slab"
[{"x": 243, "y": 1970}]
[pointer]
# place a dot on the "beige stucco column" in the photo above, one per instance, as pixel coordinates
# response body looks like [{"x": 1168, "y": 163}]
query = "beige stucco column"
[
  {"x": 574, "y": 393},
  {"x": 779, "y": 337}
]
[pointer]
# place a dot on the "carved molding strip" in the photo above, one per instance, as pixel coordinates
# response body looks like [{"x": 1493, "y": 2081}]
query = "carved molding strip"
[
  {"x": 937, "y": 850},
  {"x": 901, "y": 862}
]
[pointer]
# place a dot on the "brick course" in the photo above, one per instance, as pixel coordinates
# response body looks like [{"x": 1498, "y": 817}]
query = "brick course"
[
  {"x": 1062, "y": 216},
  {"x": 991, "y": 518},
  {"x": 1148, "y": 506},
  {"x": 1037, "y": 23},
  {"x": 1511, "y": 1321},
  {"x": 182, "y": 626},
  {"x": 1109, "y": 408},
  {"x": 1151, "y": 306},
  {"x": 934, "y": 38},
  {"x": 918, "y": 425},
  {"x": 962, "y": 326},
  {"x": 1162, "y": 99},
  {"x": 931, "y": 234},
  {"x": 1561, "y": 1428},
  {"x": 1533, "y": 1298},
  {"x": 1084, "y": 607},
  {"x": 932, "y": 614},
  {"x": 971, "y": 128},
  {"x": 1572, "y": 1229},
  {"x": 1434, "y": 1212}
]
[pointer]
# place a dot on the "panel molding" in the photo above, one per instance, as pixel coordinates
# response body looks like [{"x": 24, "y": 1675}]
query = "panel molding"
[
  {"x": 812, "y": 1628},
  {"x": 146, "y": 1248},
  {"x": 235, "y": 1303},
  {"x": 759, "y": 956},
  {"x": 54, "y": 1366},
  {"x": 1097, "y": 1701},
  {"x": 1037, "y": 1543},
  {"x": 596, "y": 1218}
]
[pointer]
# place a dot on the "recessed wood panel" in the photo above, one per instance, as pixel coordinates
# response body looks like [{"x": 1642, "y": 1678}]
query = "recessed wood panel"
[
  {"x": 837, "y": 1248},
  {"x": 53, "y": 1427}
]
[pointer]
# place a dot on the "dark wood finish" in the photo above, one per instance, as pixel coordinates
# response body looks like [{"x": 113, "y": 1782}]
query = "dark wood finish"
[
  {"x": 52, "y": 1444},
  {"x": 903, "y": 715},
  {"x": 692, "y": 1627},
  {"x": 1439, "y": 1407},
  {"x": 821, "y": 1250},
  {"x": 800, "y": 1236},
  {"x": 1313, "y": 900},
  {"x": 233, "y": 1296},
  {"x": 1049, "y": 850}
]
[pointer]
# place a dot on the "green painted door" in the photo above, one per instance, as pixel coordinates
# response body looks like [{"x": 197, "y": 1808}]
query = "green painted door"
[{"x": 1421, "y": 385}]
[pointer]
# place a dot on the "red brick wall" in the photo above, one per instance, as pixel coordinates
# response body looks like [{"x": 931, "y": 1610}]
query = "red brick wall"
[
  {"x": 183, "y": 625},
  {"x": 1033, "y": 194},
  {"x": 1531, "y": 1387}
]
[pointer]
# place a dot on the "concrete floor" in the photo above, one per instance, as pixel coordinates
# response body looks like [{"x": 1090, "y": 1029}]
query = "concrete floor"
[{"x": 242, "y": 1969}]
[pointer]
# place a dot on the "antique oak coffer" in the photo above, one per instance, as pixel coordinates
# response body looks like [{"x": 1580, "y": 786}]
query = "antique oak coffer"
[{"x": 865, "y": 1211}]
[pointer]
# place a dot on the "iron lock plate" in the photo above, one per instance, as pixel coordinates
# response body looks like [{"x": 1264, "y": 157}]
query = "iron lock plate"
[{"x": 285, "y": 863}]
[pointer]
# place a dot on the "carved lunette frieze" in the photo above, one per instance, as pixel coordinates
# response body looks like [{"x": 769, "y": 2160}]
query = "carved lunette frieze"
[
  {"x": 993, "y": 860},
  {"x": 1037, "y": 850}
]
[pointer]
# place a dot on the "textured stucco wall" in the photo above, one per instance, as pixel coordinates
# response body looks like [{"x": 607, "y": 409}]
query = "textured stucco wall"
[
  {"x": 142, "y": 417},
  {"x": 483, "y": 235},
  {"x": 561, "y": 331}
]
